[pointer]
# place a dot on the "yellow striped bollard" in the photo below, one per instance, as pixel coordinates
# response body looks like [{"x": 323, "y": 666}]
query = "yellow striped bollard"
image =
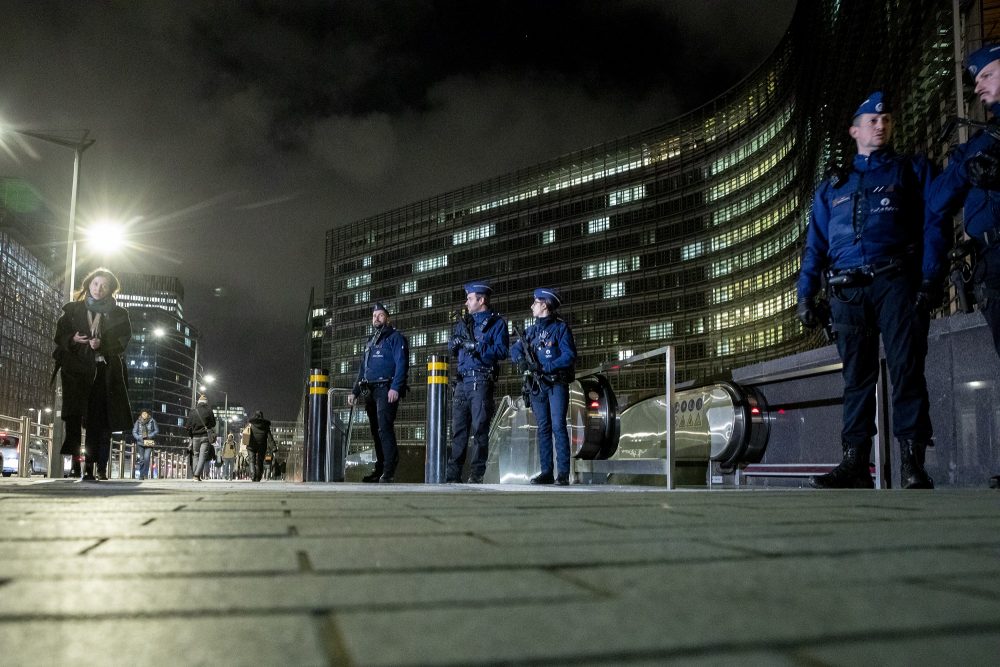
[{"x": 436, "y": 451}]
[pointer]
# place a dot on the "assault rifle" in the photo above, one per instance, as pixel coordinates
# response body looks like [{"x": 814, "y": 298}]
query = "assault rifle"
[
  {"x": 530, "y": 368},
  {"x": 459, "y": 342}
]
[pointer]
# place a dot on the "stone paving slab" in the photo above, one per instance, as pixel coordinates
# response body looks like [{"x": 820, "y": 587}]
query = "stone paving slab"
[{"x": 218, "y": 573}]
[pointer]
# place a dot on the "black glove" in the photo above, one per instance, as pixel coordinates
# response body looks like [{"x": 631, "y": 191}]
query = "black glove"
[
  {"x": 929, "y": 296},
  {"x": 456, "y": 343},
  {"x": 806, "y": 312},
  {"x": 983, "y": 168}
]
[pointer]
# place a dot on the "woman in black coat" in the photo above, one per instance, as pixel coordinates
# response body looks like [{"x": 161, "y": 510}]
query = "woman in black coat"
[{"x": 91, "y": 337}]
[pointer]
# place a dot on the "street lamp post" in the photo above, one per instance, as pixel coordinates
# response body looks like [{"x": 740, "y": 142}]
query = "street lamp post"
[
  {"x": 69, "y": 274},
  {"x": 210, "y": 379}
]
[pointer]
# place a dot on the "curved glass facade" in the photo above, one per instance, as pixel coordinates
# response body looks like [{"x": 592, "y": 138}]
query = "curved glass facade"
[{"x": 688, "y": 234}]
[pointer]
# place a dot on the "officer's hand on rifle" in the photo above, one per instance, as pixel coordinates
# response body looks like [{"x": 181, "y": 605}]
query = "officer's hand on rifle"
[
  {"x": 806, "y": 312},
  {"x": 929, "y": 296},
  {"x": 458, "y": 343}
]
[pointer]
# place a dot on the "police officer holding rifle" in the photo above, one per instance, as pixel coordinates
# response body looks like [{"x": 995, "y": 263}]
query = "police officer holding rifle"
[
  {"x": 972, "y": 180},
  {"x": 547, "y": 354},
  {"x": 884, "y": 258},
  {"x": 480, "y": 342}
]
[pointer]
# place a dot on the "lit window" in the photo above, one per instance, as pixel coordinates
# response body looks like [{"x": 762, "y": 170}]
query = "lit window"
[
  {"x": 344, "y": 367},
  {"x": 429, "y": 301},
  {"x": 627, "y": 195},
  {"x": 363, "y": 297},
  {"x": 431, "y": 263},
  {"x": 548, "y": 236},
  {"x": 367, "y": 261},
  {"x": 442, "y": 336},
  {"x": 598, "y": 225},
  {"x": 358, "y": 281},
  {"x": 625, "y": 354},
  {"x": 418, "y": 340},
  {"x": 611, "y": 267},
  {"x": 661, "y": 330},
  {"x": 692, "y": 250},
  {"x": 614, "y": 290},
  {"x": 464, "y": 236},
  {"x": 408, "y": 287}
]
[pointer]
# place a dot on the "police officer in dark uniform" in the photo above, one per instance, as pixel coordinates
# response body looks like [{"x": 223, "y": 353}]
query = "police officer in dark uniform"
[
  {"x": 548, "y": 354},
  {"x": 480, "y": 341},
  {"x": 883, "y": 255},
  {"x": 381, "y": 384},
  {"x": 972, "y": 178}
]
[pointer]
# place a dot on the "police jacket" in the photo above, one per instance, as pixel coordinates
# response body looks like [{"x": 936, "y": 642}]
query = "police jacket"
[
  {"x": 489, "y": 333},
  {"x": 386, "y": 358},
  {"x": 552, "y": 342},
  {"x": 873, "y": 216},
  {"x": 952, "y": 188}
]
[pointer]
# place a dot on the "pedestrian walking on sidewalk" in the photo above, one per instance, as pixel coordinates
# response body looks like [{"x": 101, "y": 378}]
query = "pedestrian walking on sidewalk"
[{"x": 200, "y": 426}]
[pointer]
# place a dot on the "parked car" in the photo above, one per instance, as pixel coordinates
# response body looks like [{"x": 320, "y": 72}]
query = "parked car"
[{"x": 38, "y": 455}]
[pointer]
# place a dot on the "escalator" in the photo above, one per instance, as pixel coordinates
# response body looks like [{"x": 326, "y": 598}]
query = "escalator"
[{"x": 721, "y": 422}]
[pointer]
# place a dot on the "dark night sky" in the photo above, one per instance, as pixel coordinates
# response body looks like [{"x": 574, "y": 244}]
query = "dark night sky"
[{"x": 240, "y": 132}]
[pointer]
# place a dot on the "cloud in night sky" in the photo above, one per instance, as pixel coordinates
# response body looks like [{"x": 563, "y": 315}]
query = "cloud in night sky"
[{"x": 241, "y": 131}]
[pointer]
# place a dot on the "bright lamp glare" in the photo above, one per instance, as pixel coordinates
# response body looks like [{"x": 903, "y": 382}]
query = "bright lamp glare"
[
  {"x": 158, "y": 332},
  {"x": 209, "y": 378},
  {"x": 106, "y": 237}
]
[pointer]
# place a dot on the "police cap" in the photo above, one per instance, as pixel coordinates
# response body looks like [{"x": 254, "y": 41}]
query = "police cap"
[
  {"x": 380, "y": 306},
  {"x": 478, "y": 287},
  {"x": 977, "y": 60},
  {"x": 874, "y": 104},
  {"x": 549, "y": 294}
]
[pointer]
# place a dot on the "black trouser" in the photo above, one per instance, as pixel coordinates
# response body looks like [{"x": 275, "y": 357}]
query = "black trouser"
[
  {"x": 98, "y": 429},
  {"x": 987, "y": 279},
  {"x": 472, "y": 411},
  {"x": 381, "y": 420},
  {"x": 888, "y": 306},
  {"x": 257, "y": 462}
]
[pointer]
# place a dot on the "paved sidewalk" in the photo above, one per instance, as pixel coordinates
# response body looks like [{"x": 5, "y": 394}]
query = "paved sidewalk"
[{"x": 215, "y": 573}]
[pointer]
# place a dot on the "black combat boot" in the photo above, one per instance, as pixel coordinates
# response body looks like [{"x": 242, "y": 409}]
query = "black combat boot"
[
  {"x": 911, "y": 470},
  {"x": 852, "y": 473}
]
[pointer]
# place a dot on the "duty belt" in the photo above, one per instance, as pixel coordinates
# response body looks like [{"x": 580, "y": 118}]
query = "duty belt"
[{"x": 860, "y": 276}]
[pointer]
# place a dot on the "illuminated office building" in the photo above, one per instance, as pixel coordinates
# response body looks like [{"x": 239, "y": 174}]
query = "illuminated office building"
[
  {"x": 29, "y": 300},
  {"x": 143, "y": 290},
  {"x": 688, "y": 234},
  {"x": 161, "y": 368}
]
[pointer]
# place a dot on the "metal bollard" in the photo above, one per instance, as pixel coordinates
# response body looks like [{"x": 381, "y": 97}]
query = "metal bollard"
[
  {"x": 436, "y": 450},
  {"x": 22, "y": 448},
  {"x": 338, "y": 438},
  {"x": 315, "y": 435}
]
